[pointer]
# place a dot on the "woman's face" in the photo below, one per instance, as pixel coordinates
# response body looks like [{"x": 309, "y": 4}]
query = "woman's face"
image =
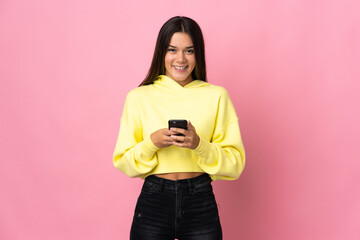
[{"x": 180, "y": 58}]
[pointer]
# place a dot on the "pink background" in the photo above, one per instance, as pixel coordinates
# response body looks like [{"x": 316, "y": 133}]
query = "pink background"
[{"x": 292, "y": 71}]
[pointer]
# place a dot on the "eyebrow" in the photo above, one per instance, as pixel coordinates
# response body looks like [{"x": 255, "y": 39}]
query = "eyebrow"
[{"x": 185, "y": 48}]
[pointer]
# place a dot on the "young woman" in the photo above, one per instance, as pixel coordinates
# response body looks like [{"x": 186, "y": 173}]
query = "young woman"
[{"x": 177, "y": 200}]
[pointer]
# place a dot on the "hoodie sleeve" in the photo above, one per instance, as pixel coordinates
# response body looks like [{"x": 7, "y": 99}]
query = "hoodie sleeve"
[
  {"x": 133, "y": 155},
  {"x": 223, "y": 157}
]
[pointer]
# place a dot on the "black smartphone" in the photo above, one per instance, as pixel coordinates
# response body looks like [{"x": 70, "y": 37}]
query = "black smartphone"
[{"x": 178, "y": 123}]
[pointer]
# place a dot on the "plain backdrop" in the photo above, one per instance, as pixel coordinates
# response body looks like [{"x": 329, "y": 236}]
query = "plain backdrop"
[{"x": 291, "y": 68}]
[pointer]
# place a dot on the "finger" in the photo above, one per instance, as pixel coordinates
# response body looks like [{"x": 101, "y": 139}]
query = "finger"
[
  {"x": 168, "y": 138},
  {"x": 178, "y": 130},
  {"x": 190, "y": 126},
  {"x": 180, "y": 144},
  {"x": 178, "y": 138},
  {"x": 169, "y": 132}
]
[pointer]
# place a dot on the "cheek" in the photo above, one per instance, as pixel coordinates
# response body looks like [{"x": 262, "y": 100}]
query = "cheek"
[{"x": 168, "y": 60}]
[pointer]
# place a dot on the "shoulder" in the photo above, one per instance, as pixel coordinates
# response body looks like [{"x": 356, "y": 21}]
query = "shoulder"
[
  {"x": 217, "y": 90},
  {"x": 139, "y": 92}
]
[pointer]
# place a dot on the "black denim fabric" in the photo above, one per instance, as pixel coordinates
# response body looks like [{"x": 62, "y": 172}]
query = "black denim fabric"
[{"x": 184, "y": 209}]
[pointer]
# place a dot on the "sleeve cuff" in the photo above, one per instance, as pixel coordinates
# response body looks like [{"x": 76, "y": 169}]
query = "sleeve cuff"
[
  {"x": 147, "y": 147},
  {"x": 203, "y": 148}
]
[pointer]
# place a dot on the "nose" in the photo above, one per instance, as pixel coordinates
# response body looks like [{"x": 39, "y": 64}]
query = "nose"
[{"x": 181, "y": 57}]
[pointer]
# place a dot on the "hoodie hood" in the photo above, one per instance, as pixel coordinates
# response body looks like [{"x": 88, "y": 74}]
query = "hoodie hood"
[{"x": 167, "y": 82}]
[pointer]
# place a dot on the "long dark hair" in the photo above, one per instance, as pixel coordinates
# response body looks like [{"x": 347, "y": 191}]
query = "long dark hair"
[{"x": 173, "y": 25}]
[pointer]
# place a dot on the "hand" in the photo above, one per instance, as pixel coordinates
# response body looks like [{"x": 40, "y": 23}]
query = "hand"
[
  {"x": 189, "y": 140},
  {"x": 162, "y": 138}
]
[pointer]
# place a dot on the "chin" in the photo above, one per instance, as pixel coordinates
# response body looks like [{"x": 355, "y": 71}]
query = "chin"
[{"x": 181, "y": 78}]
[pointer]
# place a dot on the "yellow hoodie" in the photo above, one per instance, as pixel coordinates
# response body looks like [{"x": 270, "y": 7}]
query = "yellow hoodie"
[{"x": 148, "y": 108}]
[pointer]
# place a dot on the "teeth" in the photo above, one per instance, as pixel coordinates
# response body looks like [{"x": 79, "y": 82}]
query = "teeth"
[{"x": 180, "y": 68}]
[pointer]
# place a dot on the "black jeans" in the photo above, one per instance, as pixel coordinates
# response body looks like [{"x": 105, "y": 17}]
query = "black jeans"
[{"x": 184, "y": 209}]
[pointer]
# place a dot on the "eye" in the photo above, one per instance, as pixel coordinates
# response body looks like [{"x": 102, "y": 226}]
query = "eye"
[
  {"x": 190, "y": 51},
  {"x": 172, "y": 50}
]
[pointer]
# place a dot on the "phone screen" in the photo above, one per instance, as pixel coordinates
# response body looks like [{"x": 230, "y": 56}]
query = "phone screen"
[{"x": 178, "y": 123}]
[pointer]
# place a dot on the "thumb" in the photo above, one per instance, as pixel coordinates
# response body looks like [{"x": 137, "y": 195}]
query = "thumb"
[{"x": 190, "y": 126}]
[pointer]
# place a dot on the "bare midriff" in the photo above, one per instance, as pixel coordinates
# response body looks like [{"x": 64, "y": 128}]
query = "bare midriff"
[{"x": 179, "y": 176}]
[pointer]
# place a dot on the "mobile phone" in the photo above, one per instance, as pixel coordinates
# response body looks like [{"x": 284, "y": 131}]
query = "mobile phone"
[{"x": 178, "y": 123}]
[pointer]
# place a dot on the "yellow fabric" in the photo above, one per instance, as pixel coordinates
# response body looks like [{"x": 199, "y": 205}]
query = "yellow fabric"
[{"x": 148, "y": 108}]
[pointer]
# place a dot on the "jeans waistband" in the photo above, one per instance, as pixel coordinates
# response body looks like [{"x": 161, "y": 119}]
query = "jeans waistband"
[{"x": 202, "y": 179}]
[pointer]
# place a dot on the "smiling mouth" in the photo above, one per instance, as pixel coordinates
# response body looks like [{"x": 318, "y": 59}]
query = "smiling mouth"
[{"x": 180, "y": 68}]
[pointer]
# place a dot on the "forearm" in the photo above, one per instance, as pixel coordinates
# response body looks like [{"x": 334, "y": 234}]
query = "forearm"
[
  {"x": 221, "y": 161},
  {"x": 137, "y": 160}
]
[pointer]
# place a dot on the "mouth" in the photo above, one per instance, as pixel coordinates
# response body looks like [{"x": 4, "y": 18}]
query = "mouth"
[{"x": 180, "y": 68}]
